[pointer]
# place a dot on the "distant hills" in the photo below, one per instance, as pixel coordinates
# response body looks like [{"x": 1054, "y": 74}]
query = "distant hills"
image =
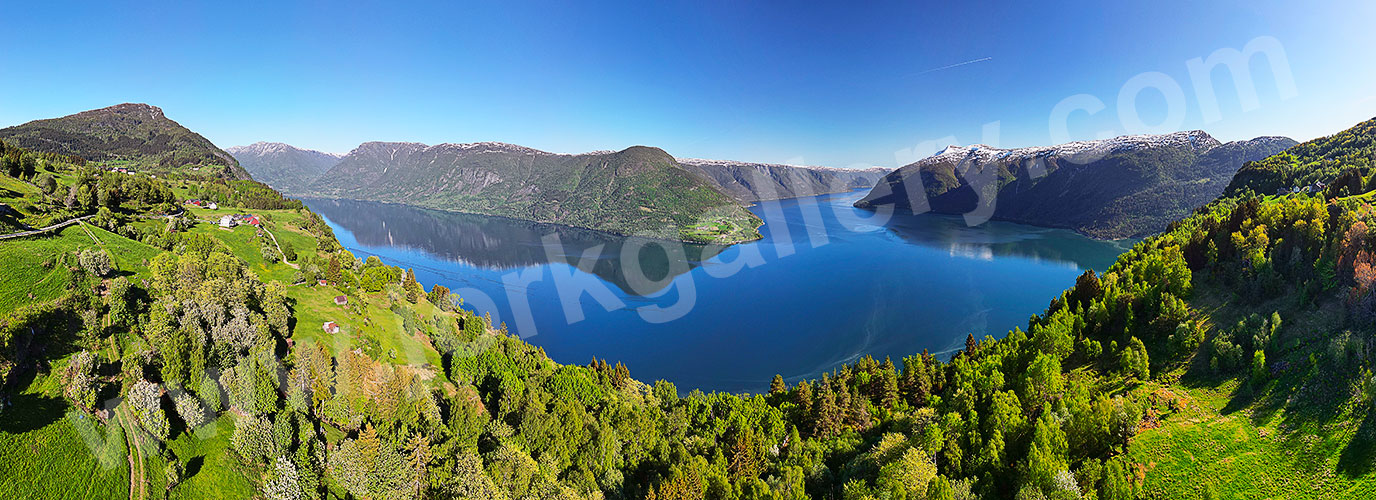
[
  {"x": 292, "y": 170},
  {"x": 753, "y": 182},
  {"x": 638, "y": 190},
  {"x": 514, "y": 181},
  {"x": 284, "y": 167},
  {"x": 1114, "y": 188},
  {"x": 138, "y": 134}
]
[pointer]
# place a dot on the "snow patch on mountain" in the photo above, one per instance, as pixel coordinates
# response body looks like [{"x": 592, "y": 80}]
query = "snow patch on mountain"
[
  {"x": 262, "y": 148},
  {"x": 1077, "y": 152}
]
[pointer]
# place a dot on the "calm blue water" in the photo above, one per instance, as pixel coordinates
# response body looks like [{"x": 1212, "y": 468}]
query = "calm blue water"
[{"x": 826, "y": 285}]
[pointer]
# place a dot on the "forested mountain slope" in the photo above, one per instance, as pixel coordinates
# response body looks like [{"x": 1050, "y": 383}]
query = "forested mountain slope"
[
  {"x": 137, "y": 135},
  {"x": 639, "y": 190},
  {"x": 751, "y": 182},
  {"x": 1115, "y": 188},
  {"x": 1338, "y": 165},
  {"x": 284, "y": 167}
]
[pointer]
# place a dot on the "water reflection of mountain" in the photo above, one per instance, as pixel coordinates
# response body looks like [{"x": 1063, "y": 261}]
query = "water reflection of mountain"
[
  {"x": 999, "y": 239},
  {"x": 501, "y": 243}
]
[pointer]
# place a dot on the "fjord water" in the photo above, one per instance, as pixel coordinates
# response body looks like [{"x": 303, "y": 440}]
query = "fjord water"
[{"x": 826, "y": 285}]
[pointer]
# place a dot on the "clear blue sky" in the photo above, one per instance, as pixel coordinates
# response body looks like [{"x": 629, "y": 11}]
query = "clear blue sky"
[{"x": 850, "y": 83}]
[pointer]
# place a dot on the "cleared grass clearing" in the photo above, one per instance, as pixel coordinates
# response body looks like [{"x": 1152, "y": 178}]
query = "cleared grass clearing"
[
  {"x": 42, "y": 455},
  {"x": 1306, "y": 433},
  {"x": 212, "y": 470},
  {"x": 375, "y": 329}
]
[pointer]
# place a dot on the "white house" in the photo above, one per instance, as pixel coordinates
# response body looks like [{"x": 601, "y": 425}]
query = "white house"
[{"x": 227, "y": 221}]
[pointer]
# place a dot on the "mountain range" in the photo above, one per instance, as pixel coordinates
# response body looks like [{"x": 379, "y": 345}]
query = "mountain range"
[
  {"x": 138, "y": 135},
  {"x": 752, "y": 182},
  {"x": 1114, "y": 188},
  {"x": 516, "y": 181},
  {"x": 286, "y": 168},
  {"x": 639, "y": 190},
  {"x": 292, "y": 170}
]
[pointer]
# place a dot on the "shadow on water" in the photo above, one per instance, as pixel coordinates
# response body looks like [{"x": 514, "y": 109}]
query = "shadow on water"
[
  {"x": 994, "y": 239},
  {"x": 501, "y": 243}
]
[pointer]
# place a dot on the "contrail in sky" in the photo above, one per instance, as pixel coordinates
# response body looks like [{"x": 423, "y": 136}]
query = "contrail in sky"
[{"x": 949, "y": 66}]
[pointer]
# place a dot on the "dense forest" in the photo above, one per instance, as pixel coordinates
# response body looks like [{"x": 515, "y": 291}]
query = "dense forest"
[{"x": 1271, "y": 296}]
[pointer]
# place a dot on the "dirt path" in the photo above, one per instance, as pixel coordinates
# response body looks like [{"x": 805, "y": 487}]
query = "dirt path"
[
  {"x": 138, "y": 484},
  {"x": 53, "y": 227},
  {"x": 89, "y": 233},
  {"x": 279, "y": 250}
]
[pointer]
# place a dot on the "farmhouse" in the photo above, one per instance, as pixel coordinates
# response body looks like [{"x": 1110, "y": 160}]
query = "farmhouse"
[
  {"x": 330, "y": 327},
  {"x": 228, "y": 221},
  {"x": 202, "y": 203},
  {"x": 341, "y": 300}
]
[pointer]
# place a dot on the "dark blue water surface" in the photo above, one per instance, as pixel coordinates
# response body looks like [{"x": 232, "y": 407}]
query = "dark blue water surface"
[{"x": 827, "y": 284}]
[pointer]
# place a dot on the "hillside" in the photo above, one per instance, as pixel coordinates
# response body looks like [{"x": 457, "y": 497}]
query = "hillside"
[
  {"x": 1339, "y": 164},
  {"x": 1115, "y": 188},
  {"x": 284, "y": 167},
  {"x": 639, "y": 190},
  {"x": 133, "y": 135},
  {"x": 752, "y": 182}
]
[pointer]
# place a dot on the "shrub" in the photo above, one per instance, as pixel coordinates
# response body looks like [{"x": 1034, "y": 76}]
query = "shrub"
[
  {"x": 146, "y": 401},
  {"x": 94, "y": 261},
  {"x": 190, "y": 410},
  {"x": 269, "y": 253},
  {"x": 1259, "y": 371}
]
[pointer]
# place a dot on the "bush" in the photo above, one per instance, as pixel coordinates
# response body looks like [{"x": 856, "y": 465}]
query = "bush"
[
  {"x": 1259, "y": 372},
  {"x": 190, "y": 410},
  {"x": 1134, "y": 359},
  {"x": 269, "y": 254},
  {"x": 96, "y": 262},
  {"x": 1227, "y": 356},
  {"x": 253, "y": 439}
]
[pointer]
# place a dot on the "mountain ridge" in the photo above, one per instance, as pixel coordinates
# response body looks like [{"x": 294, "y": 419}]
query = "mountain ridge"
[
  {"x": 633, "y": 191},
  {"x": 1110, "y": 188},
  {"x": 284, "y": 167},
  {"x": 752, "y": 182},
  {"x": 134, "y": 132}
]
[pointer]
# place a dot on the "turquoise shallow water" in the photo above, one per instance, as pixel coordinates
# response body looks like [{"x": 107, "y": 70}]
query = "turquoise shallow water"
[{"x": 827, "y": 284}]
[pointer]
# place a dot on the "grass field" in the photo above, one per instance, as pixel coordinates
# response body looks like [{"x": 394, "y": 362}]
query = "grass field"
[
  {"x": 376, "y": 330},
  {"x": 212, "y": 470},
  {"x": 1307, "y": 433},
  {"x": 32, "y": 274},
  {"x": 43, "y": 456}
]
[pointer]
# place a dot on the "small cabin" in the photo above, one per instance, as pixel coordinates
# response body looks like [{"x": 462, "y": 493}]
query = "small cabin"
[
  {"x": 341, "y": 300},
  {"x": 321, "y": 282},
  {"x": 330, "y": 327}
]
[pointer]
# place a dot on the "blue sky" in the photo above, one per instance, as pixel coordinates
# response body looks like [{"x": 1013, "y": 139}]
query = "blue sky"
[{"x": 827, "y": 84}]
